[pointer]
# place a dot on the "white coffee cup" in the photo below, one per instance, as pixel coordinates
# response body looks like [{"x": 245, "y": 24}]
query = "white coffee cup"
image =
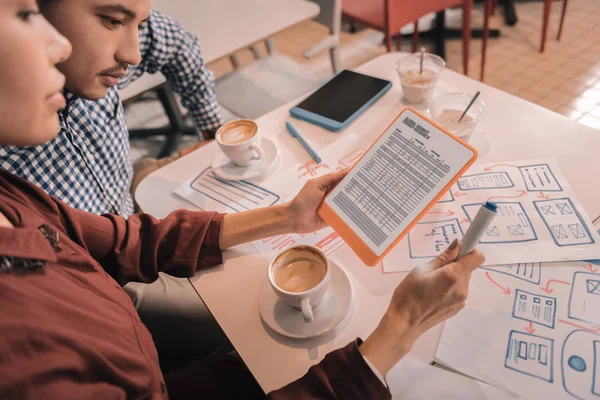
[
  {"x": 299, "y": 276},
  {"x": 239, "y": 140}
]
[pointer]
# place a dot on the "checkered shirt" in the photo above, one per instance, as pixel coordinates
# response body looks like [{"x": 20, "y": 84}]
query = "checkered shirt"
[{"x": 88, "y": 164}]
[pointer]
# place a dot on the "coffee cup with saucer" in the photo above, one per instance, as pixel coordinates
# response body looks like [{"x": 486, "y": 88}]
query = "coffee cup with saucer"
[
  {"x": 244, "y": 154},
  {"x": 305, "y": 294}
]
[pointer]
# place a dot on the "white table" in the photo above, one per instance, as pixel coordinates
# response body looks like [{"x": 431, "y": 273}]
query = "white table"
[
  {"x": 513, "y": 128},
  {"x": 226, "y": 26}
]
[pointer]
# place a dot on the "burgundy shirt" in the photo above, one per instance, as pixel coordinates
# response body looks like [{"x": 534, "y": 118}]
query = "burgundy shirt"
[{"x": 68, "y": 330}]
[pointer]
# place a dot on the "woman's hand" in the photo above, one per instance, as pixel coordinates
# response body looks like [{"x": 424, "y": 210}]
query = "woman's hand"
[
  {"x": 303, "y": 208},
  {"x": 428, "y": 295}
]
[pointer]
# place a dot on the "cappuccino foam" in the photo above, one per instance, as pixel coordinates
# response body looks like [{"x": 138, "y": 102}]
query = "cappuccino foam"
[
  {"x": 299, "y": 270},
  {"x": 237, "y": 132}
]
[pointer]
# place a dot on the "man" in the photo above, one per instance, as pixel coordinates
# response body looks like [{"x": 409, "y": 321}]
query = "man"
[{"x": 88, "y": 165}]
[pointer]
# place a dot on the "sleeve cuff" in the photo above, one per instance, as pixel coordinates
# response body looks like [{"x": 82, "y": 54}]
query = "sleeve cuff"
[
  {"x": 210, "y": 253},
  {"x": 375, "y": 371},
  {"x": 378, "y": 388}
]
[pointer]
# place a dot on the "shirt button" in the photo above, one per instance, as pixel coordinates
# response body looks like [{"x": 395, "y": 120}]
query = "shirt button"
[{"x": 163, "y": 387}]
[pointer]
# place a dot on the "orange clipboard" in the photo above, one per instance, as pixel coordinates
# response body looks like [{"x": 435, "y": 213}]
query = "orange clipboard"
[{"x": 363, "y": 217}]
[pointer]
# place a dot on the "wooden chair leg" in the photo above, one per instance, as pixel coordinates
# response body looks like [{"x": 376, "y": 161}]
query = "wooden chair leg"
[
  {"x": 562, "y": 19},
  {"x": 547, "y": 8},
  {"x": 486, "y": 33},
  {"x": 467, "y": 9},
  {"x": 415, "y": 37},
  {"x": 397, "y": 40},
  {"x": 388, "y": 42}
]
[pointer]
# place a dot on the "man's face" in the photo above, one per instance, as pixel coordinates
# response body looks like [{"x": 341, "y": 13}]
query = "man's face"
[{"x": 104, "y": 35}]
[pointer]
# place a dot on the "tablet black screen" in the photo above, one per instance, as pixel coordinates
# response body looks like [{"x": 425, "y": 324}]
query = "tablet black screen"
[{"x": 343, "y": 95}]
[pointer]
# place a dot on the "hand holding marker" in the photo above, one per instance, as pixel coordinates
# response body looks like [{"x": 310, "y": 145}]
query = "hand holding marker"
[{"x": 480, "y": 223}]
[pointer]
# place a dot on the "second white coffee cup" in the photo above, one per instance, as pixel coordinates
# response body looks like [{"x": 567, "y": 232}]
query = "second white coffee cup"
[
  {"x": 239, "y": 140},
  {"x": 299, "y": 276}
]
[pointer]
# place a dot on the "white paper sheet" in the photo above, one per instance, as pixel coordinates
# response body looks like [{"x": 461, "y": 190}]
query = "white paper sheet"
[
  {"x": 539, "y": 218},
  {"x": 337, "y": 156},
  {"x": 412, "y": 380},
  {"x": 531, "y": 329}
]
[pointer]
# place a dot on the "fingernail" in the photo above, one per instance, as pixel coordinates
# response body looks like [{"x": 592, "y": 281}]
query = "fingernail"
[{"x": 453, "y": 245}]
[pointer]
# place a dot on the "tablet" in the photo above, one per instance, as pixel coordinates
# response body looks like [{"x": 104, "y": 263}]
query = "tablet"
[
  {"x": 339, "y": 101},
  {"x": 412, "y": 164}
]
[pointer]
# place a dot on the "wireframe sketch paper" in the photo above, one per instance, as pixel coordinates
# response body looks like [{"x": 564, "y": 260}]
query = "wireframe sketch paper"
[
  {"x": 531, "y": 329},
  {"x": 210, "y": 192},
  {"x": 341, "y": 154},
  {"x": 539, "y": 219}
]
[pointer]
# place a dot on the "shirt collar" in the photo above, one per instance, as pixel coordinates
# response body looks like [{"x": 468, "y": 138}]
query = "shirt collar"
[
  {"x": 70, "y": 98},
  {"x": 63, "y": 113},
  {"x": 26, "y": 243}
]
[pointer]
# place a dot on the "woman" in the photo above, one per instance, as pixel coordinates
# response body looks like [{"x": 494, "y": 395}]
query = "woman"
[{"x": 67, "y": 329}]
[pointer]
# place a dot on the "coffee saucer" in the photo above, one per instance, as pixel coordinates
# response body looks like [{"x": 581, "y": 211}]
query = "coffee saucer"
[
  {"x": 225, "y": 169},
  {"x": 289, "y": 322}
]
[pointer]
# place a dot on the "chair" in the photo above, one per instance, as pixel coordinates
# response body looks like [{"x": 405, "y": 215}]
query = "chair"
[
  {"x": 490, "y": 6},
  {"x": 274, "y": 80},
  {"x": 545, "y": 19},
  {"x": 391, "y": 15},
  {"x": 177, "y": 126}
]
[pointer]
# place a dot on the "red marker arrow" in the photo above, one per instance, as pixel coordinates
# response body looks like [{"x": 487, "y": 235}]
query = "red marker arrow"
[
  {"x": 585, "y": 328},
  {"x": 521, "y": 194},
  {"x": 448, "y": 213},
  {"x": 504, "y": 290},
  {"x": 458, "y": 194},
  {"x": 530, "y": 328},
  {"x": 500, "y": 165},
  {"x": 590, "y": 268},
  {"x": 547, "y": 288},
  {"x": 464, "y": 221},
  {"x": 543, "y": 196}
]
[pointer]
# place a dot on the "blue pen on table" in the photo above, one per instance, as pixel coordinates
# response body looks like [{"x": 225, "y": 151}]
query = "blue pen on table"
[
  {"x": 480, "y": 223},
  {"x": 296, "y": 134}
]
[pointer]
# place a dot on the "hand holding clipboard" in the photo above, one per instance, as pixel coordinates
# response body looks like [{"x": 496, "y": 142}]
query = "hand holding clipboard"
[{"x": 396, "y": 182}]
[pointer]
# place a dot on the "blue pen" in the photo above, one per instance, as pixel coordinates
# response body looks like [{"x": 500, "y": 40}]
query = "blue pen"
[
  {"x": 480, "y": 223},
  {"x": 296, "y": 134}
]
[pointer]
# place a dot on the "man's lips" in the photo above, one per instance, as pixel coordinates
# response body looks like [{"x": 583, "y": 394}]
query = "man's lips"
[{"x": 111, "y": 79}]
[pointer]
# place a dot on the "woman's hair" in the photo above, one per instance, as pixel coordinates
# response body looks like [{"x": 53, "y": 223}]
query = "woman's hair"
[{"x": 45, "y": 3}]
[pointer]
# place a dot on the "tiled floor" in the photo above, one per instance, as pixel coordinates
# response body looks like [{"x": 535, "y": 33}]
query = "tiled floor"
[{"x": 565, "y": 78}]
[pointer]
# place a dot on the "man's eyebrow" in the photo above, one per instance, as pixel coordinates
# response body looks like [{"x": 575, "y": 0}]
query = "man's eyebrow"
[{"x": 118, "y": 8}]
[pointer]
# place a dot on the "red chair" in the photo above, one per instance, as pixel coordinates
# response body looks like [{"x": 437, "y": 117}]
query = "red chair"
[
  {"x": 547, "y": 7},
  {"x": 490, "y": 6},
  {"x": 545, "y": 19},
  {"x": 391, "y": 15}
]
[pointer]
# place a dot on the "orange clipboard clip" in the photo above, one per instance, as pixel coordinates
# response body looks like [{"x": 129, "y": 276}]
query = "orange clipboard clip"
[{"x": 362, "y": 249}]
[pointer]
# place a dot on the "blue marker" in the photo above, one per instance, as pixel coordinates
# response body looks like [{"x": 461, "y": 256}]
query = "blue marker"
[
  {"x": 480, "y": 223},
  {"x": 296, "y": 134}
]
